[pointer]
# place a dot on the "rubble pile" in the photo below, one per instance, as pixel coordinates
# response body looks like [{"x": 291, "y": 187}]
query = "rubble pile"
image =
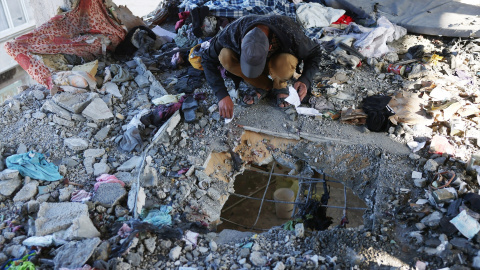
[{"x": 106, "y": 172}]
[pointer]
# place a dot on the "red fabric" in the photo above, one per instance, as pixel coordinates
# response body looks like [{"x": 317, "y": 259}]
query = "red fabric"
[
  {"x": 345, "y": 19},
  {"x": 77, "y": 32},
  {"x": 182, "y": 16}
]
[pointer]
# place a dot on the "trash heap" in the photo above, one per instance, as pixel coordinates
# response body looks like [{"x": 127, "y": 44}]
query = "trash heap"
[{"x": 105, "y": 169}]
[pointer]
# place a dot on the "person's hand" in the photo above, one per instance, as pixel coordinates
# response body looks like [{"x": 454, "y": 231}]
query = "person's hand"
[
  {"x": 225, "y": 107},
  {"x": 301, "y": 89}
]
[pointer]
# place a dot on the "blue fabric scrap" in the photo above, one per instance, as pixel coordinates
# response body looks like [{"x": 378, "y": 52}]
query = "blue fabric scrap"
[
  {"x": 34, "y": 165},
  {"x": 159, "y": 217}
]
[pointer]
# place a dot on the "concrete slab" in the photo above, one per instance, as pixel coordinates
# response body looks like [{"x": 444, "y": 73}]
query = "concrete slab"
[
  {"x": 54, "y": 217},
  {"x": 8, "y": 187},
  {"x": 74, "y": 103},
  {"x": 97, "y": 110},
  {"x": 109, "y": 194},
  {"x": 75, "y": 254},
  {"x": 27, "y": 192}
]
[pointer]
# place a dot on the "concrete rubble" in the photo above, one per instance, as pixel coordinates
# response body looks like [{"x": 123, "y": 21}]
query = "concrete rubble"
[{"x": 415, "y": 177}]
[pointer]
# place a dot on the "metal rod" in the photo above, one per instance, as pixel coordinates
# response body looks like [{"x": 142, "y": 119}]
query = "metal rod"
[
  {"x": 243, "y": 199},
  {"x": 264, "y": 194},
  {"x": 243, "y": 226},
  {"x": 274, "y": 201},
  {"x": 294, "y": 176}
]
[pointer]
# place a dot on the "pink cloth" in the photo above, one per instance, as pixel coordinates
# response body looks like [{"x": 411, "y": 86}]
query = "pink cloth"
[
  {"x": 81, "y": 196},
  {"x": 79, "y": 32},
  {"x": 124, "y": 231},
  {"x": 107, "y": 178}
]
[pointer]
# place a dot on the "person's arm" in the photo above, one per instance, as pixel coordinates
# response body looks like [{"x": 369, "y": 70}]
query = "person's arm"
[
  {"x": 311, "y": 55},
  {"x": 210, "y": 64}
]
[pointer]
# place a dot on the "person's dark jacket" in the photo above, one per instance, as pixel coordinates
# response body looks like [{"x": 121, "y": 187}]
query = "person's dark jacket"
[{"x": 290, "y": 35}]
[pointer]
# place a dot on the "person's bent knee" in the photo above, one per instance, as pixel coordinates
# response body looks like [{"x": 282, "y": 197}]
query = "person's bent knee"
[
  {"x": 228, "y": 58},
  {"x": 283, "y": 65}
]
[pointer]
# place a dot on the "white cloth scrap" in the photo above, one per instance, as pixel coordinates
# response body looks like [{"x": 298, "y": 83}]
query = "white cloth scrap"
[{"x": 316, "y": 15}]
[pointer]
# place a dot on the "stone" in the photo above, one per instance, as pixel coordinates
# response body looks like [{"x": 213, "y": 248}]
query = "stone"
[
  {"x": 175, "y": 253},
  {"x": 74, "y": 103},
  {"x": 112, "y": 88},
  {"x": 230, "y": 236},
  {"x": 102, "y": 252},
  {"x": 476, "y": 262},
  {"x": 102, "y": 133},
  {"x": 66, "y": 193},
  {"x": 16, "y": 251},
  {"x": 150, "y": 244},
  {"x": 97, "y": 110},
  {"x": 3, "y": 257},
  {"x": 50, "y": 106},
  {"x": 100, "y": 168},
  {"x": 75, "y": 254},
  {"x": 213, "y": 246},
  {"x": 134, "y": 259},
  {"x": 142, "y": 81},
  {"x": 420, "y": 182},
  {"x": 416, "y": 175},
  {"x": 38, "y": 94},
  {"x": 299, "y": 230},
  {"x": 109, "y": 194},
  {"x": 120, "y": 211},
  {"x": 54, "y": 217},
  {"x": 76, "y": 144},
  {"x": 140, "y": 198},
  {"x": 433, "y": 219},
  {"x": 63, "y": 122},
  {"x": 39, "y": 115},
  {"x": 258, "y": 259},
  {"x": 81, "y": 228},
  {"x": 93, "y": 153},
  {"x": 130, "y": 164},
  {"x": 173, "y": 122},
  {"x": 9, "y": 174},
  {"x": 33, "y": 206},
  {"x": 8, "y": 187},
  {"x": 279, "y": 266},
  {"x": 125, "y": 177},
  {"x": 431, "y": 165},
  {"x": 27, "y": 192}
]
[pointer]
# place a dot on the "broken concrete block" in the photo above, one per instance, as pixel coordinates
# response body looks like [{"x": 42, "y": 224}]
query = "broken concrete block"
[
  {"x": 54, "y": 217},
  {"x": 100, "y": 168},
  {"x": 420, "y": 182},
  {"x": 111, "y": 88},
  {"x": 76, "y": 144},
  {"x": 9, "y": 174},
  {"x": 90, "y": 67},
  {"x": 27, "y": 192},
  {"x": 102, "y": 133},
  {"x": 466, "y": 224},
  {"x": 109, "y": 194},
  {"x": 50, "y": 106},
  {"x": 130, "y": 164},
  {"x": 433, "y": 219},
  {"x": 416, "y": 175},
  {"x": 81, "y": 228},
  {"x": 299, "y": 230},
  {"x": 173, "y": 122},
  {"x": 63, "y": 122},
  {"x": 142, "y": 81},
  {"x": 74, "y": 103},
  {"x": 97, "y": 110},
  {"x": 66, "y": 193},
  {"x": 8, "y": 187},
  {"x": 258, "y": 259},
  {"x": 39, "y": 115},
  {"x": 75, "y": 254},
  {"x": 431, "y": 165},
  {"x": 125, "y": 177},
  {"x": 94, "y": 153}
]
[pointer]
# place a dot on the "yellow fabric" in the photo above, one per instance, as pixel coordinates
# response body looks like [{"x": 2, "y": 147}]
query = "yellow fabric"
[{"x": 194, "y": 58}]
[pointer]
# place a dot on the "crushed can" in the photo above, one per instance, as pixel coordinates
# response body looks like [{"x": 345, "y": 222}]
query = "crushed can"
[{"x": 396, "y": 69}]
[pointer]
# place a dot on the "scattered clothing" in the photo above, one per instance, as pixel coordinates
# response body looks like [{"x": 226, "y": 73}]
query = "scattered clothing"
[
  {"x": 378, "y": 111},
  {"x": 316, "y": 15},
  {"x": 183, "y": 17},
  {"x": 131, "y": 139},
  {"x": 81, "y": 196},
  {"x": 107, "y": 178},
  {"x": 120, "y": 74},
  {"x": 185, "y": 37},
  {"x": 198, "y": 16},
  {"x": 138, "y": 38},
  {"x": 158, "y": 217},
  {"x": 85, "y": 31},
  {"x": 189, "y": 108},
  {"x": 124, "y": 231},
  {"x": 34, "y": 165}
]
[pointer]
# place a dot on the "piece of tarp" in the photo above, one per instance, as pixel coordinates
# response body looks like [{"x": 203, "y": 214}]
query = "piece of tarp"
[
  {"x": 454, "y": 18},
  {"x": 34, "y": 165},
  {"x": 86, "y": 31}
]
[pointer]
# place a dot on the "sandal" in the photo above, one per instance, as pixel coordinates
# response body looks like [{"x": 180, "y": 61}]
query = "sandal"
[
  {"x": 279, "y": 101},
  {"x": 253, "y": 94},
  {"x": 189, "y": 106}
]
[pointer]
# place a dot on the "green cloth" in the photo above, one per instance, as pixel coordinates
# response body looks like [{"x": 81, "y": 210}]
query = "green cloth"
[{"x": 34, "y": 165}]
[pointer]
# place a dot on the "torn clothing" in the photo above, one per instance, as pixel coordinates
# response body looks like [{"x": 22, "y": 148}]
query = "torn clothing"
[
  {"x": 291, "y": 40},
  {"x": 85, "y": 31}
]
